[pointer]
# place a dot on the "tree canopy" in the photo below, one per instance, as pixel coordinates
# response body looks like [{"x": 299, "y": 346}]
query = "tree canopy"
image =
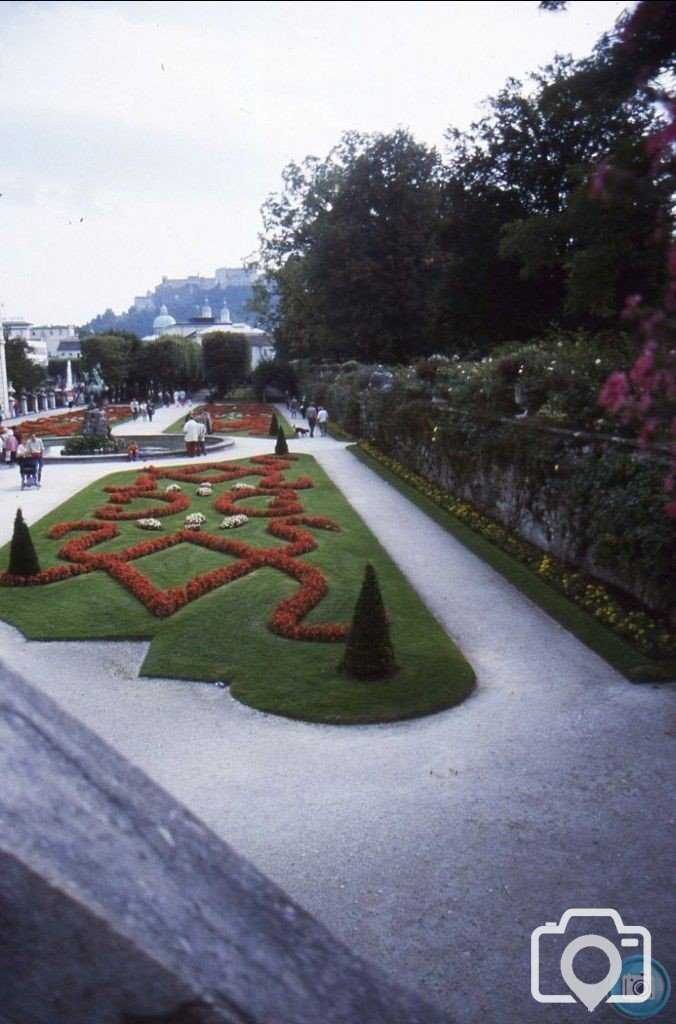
[
  {"x": 385, "y": 252},
  {"x": 227, "y": 359},
  {"x": 22, "y": 371}
]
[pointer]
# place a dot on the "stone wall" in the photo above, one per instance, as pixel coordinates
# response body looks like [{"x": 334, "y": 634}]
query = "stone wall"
[{"x": 117, "y": 906}]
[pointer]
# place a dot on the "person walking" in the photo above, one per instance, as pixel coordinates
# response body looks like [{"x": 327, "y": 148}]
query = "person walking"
[
  {"x": 10, "y": 445},
  {"x": 311, "y": 417},
  {"x": 293, "y": 406},
  {"x": 322, "y": 420},
  {"x": 36, "y": 450},
  {"x": 201, "y": 437},
  {"x": 150, "y": 409}
]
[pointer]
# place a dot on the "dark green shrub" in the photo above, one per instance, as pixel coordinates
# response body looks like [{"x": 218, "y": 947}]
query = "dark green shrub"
[
  {"x": 23, "y": 561},
  {"x": 80, "y": 445},
  {"x": 281, "y": 447},
  {"x": 274, "y": 426},
  {"x": 369, "y": 653}
]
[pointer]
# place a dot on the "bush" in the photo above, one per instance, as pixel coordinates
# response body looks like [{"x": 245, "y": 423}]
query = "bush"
[
  {"x": 281, "y": 448},
  {"x": 369, "y": 653},
  {"x": 80, "y": 445},
  {"x": 274, "y": 426},
  {"x": 23, "y": 561}
]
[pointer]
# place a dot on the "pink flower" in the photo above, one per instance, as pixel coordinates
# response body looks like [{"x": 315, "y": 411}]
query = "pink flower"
[{"x": 615, "y": 392}]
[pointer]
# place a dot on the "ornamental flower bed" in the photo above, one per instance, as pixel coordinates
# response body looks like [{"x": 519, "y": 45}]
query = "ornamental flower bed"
[
  {"x": 69, "y": 423},
  {"x": 643, "y": 632},
  {"x": 287, "y": 523},
  {"x": 252, "y": 418}
]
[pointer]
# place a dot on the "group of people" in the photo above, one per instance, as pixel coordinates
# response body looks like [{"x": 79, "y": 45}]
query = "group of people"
[
  {"x": 14, "y": 448},
  {"x": 195, "y": 430},
  {"x": 317, "y": 416},
  {"x": 146, "y": 410}
]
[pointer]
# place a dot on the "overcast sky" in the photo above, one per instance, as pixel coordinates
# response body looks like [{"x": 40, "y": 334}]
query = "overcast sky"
[{"x": 140, "y": 139}]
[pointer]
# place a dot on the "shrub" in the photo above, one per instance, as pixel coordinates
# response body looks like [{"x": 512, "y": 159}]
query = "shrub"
[
  {"x": 281, "y": 447},
  {"x": 369, "y": 653},
  {"x": 80, "y": 445},
  {"x": 23, "y": 561},
  {"x": 274, "y": 426}
]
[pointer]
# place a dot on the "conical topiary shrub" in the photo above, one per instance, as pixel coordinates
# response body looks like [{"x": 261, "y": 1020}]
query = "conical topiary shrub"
[
  {"x": 369, "y": 653},
  {"x": 281, "y": 448},
  {"x": 23, "y": 560},
  {"x": 274, "y": 426}
]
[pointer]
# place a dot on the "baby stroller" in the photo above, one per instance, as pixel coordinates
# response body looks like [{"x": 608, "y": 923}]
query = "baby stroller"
[{"x": 29, "y": 469}]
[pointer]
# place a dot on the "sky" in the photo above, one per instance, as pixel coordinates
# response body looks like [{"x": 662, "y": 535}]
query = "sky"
[{"x": 140, "y": 139}]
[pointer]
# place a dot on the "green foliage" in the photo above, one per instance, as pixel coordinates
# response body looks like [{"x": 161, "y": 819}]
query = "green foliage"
[
  {"x": 79, "y": 445},
  {"x": 274, "y": 426},
  {"x": 168, "y": 363},
  {"x": 274, "y": 373},
  {"x": 368, "y": 652},
  {"x": 281, "y": 447},
  {"x": 226, "y": 360},
  {"x": 24, "y": 374},
  {"x": 350, "y": 248},
  {"x": 23, "y": 560},
  {"x": 113, "y": 353}
]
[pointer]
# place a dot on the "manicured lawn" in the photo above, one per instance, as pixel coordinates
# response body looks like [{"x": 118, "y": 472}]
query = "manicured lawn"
[
  {"x": 633, "y": 664},
  {"x": 225, "y": 633}
]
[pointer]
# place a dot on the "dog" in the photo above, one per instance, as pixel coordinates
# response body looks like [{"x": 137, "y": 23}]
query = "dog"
[{"x": 301, "y": 431}]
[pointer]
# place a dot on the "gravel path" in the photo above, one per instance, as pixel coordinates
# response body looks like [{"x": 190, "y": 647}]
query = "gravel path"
[{"x": 433, "y": 847}]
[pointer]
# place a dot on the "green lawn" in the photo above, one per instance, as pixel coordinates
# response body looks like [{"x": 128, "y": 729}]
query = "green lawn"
[{"x": 223, "y": 635}]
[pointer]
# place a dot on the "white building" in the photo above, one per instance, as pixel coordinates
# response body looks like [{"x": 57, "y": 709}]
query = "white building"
[
  {"x": 53, "y": 335},
  {"x": 198, "y": 327}
]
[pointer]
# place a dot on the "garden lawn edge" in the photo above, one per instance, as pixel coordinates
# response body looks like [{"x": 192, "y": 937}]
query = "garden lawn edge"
[
  {"x": 222, "y": 635},
  {"x": 633, "y": 665}
]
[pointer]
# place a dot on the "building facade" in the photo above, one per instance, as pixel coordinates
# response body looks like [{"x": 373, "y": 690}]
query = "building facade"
[{"x": 199, "y": 327}]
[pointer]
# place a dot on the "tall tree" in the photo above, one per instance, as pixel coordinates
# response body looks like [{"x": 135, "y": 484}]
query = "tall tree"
[
  {"x": 350, "y": 246},
  {"x": 113, "y": 352},
  {"x": 226, "y": 359},
  {"x": 23, "y": 372}
]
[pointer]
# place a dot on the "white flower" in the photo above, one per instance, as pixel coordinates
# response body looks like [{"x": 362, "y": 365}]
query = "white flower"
[
  {"x": 195, "y": 521},
  {"x": 232, "y": 522},
  {"x": 149, "y": 524},
  {"x": 171, "y": 488},
  {"x": 204, "y": 490},
  {"x": 243, "y": 487}
]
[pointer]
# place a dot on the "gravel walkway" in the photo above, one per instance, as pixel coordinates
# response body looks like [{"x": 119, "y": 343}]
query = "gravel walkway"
[{"x": 433, "y": 847}]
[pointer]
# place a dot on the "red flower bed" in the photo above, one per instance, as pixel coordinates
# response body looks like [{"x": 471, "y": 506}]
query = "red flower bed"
[
  {"x": 250, "y": 418},
  {"x": 68, "y": 423},
  {"x": 286, "y": 523}
]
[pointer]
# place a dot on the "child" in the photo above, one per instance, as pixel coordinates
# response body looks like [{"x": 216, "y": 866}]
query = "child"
[{"x": 133, "y": 451}]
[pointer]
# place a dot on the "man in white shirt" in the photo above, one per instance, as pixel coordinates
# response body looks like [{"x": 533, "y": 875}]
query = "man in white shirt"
[
  {"x": 322, "y": 420},
  {"x": 191, "y": 433}
]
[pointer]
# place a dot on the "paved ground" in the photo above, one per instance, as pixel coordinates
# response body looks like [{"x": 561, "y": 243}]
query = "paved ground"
[{"x": 433, "y": 847}]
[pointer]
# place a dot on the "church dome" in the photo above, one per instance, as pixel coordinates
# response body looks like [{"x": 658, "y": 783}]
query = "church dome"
[
  {"x": 163, "y": 322},
  {"x": 206, "y": 310},
  {"x": 225, "y": 315}
]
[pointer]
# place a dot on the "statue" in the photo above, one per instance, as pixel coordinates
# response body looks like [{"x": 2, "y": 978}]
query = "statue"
[{"x": 95, "y": 387}]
